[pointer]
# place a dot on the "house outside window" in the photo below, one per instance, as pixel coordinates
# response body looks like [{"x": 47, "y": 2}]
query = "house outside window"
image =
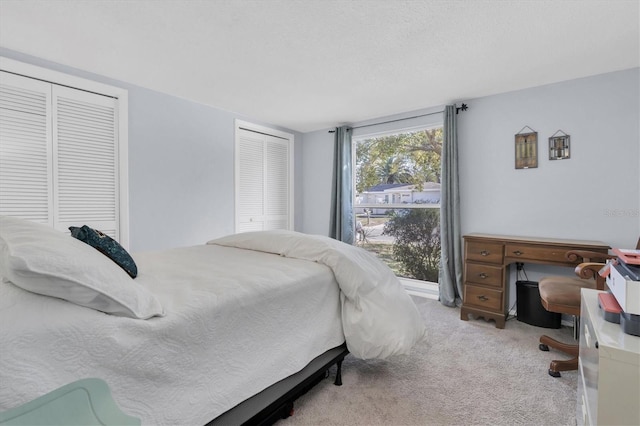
[{"x": 397, "y": 202}]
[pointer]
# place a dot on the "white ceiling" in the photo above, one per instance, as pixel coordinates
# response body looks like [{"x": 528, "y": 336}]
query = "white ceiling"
[{"x": 313, "y": 64}]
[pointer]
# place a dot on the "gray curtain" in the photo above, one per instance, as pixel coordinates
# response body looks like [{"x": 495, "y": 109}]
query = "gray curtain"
[
  {"x": 450, "y": 278},
  {"x": 342, "y": 188}
]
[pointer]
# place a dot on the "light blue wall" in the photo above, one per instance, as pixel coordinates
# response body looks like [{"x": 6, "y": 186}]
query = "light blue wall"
[
  {"x": 593, "y": 195},
  {"x": 180, "y": 171},
  {"x": 181, "y": 157}
]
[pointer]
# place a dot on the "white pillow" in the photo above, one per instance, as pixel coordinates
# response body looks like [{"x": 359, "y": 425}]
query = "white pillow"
[{"x": 43, "y": 260}]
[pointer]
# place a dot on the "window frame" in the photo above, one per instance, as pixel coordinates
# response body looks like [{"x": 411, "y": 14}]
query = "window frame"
[{"x": 412, "y": 286}]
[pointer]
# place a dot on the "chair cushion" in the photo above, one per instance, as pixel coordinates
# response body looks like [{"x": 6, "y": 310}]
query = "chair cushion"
[{"x": 562, "y": 294}]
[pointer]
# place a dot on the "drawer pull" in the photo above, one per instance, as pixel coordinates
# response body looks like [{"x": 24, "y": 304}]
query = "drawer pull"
[
  {"x": 483, "y": 298},
  {"x": 518, "y": 252},
  {"x": 484, "y": 253},
  {"x": 483, "y": 276}
]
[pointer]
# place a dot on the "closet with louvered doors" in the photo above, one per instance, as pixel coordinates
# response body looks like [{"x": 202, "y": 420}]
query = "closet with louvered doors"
[
  {"x": 263, "y": 173},
  {"x": 59, "y": 155}
]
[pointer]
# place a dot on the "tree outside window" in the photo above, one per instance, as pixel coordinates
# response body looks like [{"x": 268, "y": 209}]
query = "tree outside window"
[{"x": 397, "y": 202}]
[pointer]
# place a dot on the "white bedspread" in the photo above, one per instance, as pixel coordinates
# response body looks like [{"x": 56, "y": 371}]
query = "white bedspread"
[
  {"x": 234, "y": 325},
  {"x": 379, "y": 318}
]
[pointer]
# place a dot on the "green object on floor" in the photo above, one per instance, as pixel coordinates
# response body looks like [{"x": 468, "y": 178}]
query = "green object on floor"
[{"x": 84, "y": 402}]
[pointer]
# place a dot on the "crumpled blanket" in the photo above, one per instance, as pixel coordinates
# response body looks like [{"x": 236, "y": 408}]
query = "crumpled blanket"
[{"x": 378, "y": 316}]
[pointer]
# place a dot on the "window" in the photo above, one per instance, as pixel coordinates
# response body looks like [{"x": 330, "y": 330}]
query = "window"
[
  {"x": 62, "y": 150},
  {"x": 397, "y": 201},
  {"x": 264, "y": 184}
]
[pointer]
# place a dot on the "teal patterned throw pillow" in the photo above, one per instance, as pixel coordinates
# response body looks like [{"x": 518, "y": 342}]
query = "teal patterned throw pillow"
[{"x": 107, "y": 246}]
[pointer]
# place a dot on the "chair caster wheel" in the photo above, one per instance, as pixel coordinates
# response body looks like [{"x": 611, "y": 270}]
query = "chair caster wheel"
[
  {"x": 543, "y": 347},
  {"x": 554, "y": 373}
]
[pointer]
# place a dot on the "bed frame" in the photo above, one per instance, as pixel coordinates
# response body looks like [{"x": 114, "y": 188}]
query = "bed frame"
[{"x": 276, "y": 401}]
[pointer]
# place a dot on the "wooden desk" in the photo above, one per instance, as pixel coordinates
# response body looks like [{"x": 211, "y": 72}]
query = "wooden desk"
[{"x": 486, "y": 257}]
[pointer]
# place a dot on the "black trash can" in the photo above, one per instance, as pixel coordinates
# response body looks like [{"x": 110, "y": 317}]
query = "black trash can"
[{"x": 530, "y": 309}]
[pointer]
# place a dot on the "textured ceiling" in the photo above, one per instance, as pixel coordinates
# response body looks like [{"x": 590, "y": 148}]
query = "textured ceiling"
[{"x": 313, "y": 64}]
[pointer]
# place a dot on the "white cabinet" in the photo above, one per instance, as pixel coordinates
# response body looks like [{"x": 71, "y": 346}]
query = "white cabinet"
[{"x": 609, "y": 369}]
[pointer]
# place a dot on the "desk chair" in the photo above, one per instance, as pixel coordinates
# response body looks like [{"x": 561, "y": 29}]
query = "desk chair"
[{"x": 562, "y": 295}]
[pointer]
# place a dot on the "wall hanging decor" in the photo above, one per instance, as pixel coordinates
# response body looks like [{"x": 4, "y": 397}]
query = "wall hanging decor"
[
  {"x": 526, "y": 148},
  {"x": 559, "y": 146}
]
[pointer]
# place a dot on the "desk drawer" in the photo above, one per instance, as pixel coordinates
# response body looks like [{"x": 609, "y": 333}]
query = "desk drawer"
[
  {"x": 481, "y": 273},
  {"x": 483, "y": 297},
  {"x": 539, "y": 254},
  {"x": 483, "y": 252}
]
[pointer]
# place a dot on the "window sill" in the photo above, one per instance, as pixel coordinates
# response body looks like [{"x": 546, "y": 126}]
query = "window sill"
[{"x": 419, "y": 288}]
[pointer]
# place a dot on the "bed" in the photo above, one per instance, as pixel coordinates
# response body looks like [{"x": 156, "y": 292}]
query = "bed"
[{"x": 200, "y": 330}]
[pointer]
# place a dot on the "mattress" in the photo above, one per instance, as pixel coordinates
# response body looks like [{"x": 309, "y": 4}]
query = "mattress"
[{"x": 236, "y": 322}]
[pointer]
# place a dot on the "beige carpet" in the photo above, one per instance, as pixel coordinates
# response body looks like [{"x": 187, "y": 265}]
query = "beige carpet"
[{"x": 465, "y": 373}]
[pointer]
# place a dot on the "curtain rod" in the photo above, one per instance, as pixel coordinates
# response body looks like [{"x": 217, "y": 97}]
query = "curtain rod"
[{"x": 464, "y": 107}]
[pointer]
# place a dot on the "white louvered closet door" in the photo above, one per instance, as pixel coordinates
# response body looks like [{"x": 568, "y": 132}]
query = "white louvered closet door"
[
  {"x": 26, "y": 187},
  {"x": 276, "y": 184},
  {"x": 85, "y": 160},
  {"x": 263, "y": 182},
  {"x": 58, "y": 155},
  {"x": 250, "y": 177}
]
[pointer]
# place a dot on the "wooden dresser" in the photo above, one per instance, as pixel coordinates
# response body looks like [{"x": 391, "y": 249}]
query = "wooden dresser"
[{"x": 486, "y": 258}]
